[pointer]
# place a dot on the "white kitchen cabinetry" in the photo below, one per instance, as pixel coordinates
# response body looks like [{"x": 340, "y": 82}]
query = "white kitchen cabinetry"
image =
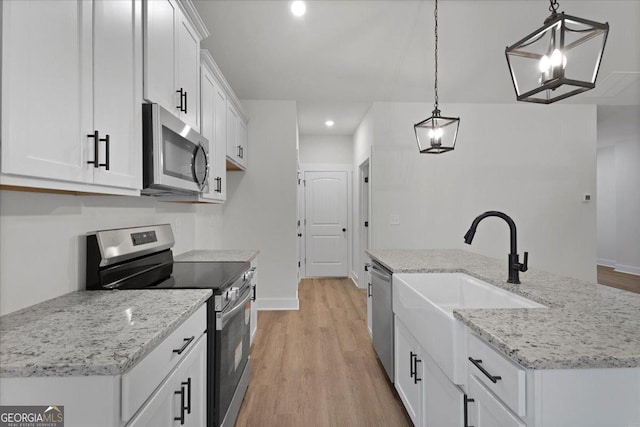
[
  {"x": 254, "y": 299},
  {"x": 146, "y": 394},
  {"x": 181, "y": 399},
  {"x": 72, "y": 95},
  {"x": 173, "y": 31},
  {"x": 237, "y": 138},
  {"x": 548, "y": 397},
  {"x": 428, "y": 395},
  {"x": 408, "y": 371}
]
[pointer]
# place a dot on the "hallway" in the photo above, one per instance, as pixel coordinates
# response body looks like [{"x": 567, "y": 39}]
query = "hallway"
[{"x": 317, "y": 367}]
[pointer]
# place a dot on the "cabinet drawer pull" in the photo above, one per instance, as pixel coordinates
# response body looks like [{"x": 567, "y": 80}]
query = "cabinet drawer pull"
[
  {"x": 466, "y": 410},
  {"x": 477, "y": 363},
  {"x": 185, "y": 102},
  {"x": 180, "y": 107},
  {"x": 369, "y": 290},
  {"x": 182, "y": 407},
  {"x": 187, "y": 341},
  {"x": 253, "y": 297},
  {"x": 412, "y": 366}
]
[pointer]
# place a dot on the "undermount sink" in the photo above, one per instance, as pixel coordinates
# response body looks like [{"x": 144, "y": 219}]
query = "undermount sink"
[{"x": 424, "y": 303}]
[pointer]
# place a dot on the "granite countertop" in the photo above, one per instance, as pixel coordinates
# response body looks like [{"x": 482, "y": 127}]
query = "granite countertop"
[
  {"x": 585, "y": 325},
  {"x": 92, "y": 332},
  {"x": 232, "y": 255}
]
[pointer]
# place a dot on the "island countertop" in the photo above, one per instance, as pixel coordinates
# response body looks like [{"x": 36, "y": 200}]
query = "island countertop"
[
  {"x": 92, "y": 332},
  {"x": 218, "y": 255},
  {"x": 586, "y": 325}
]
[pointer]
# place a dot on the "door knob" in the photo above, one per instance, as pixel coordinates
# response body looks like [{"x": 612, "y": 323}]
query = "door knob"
[
  {"x": 299, "y": 234},
  {"x": 344, "y": 229}
]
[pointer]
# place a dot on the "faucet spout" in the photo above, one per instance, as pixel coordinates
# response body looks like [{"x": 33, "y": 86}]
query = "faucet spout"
[{"x": 514, "y": 265}]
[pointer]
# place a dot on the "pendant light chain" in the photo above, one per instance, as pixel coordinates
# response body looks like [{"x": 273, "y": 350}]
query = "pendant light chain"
[
  {"x": 435, "y": 86},
  {"x": 553, "y": 7}
]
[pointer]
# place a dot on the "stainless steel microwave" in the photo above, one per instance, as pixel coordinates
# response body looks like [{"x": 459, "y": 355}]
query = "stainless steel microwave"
[{"x": 175, "y": 157}]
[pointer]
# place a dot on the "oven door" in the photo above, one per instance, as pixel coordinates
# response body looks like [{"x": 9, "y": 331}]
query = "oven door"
[
  {"x": 176, "y": 158},
  {"x": 232, "y": 350}
]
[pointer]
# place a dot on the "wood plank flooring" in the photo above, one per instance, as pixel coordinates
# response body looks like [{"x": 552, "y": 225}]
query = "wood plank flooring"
[
  {"x": 317, "y": 367},
  {"x": 608, "y": 276}
]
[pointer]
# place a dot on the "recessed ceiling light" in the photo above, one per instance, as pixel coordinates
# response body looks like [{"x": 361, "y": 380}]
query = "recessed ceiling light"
[
  {"x": 329, "y": 123},
  {"x": 298, "y": 8}
]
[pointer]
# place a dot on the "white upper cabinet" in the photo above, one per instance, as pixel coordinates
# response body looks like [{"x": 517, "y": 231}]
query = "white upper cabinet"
[
  {"x": 213, "y": 123},
  {"x": 71, "y": 69},
  {"x": 172, "y": 35},
  {"x": 236, "y": 138}
]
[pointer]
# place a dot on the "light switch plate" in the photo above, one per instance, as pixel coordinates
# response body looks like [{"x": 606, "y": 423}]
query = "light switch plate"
[{"x": 394, "y": 219}]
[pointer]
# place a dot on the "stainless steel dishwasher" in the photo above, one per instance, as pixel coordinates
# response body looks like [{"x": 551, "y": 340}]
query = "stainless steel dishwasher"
[{"x": 382, "y": 316}]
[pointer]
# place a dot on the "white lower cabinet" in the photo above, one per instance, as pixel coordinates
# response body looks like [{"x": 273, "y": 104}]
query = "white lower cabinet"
[
  {"x": 488, "y": 410},
  {"x": 428, "y": 395},
  {"x": 408, "y": 371},
  {"x": 369, "y": 295},
  {"x": 167, "y": 384},
  {"x": 181, "y": 399}
]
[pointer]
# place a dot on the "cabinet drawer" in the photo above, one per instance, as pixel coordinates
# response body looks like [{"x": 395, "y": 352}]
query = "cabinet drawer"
[
  {"x": 489, "y": 411},
  {"x": 510, "y": 387},
  {"x": 140, "y": 382}
]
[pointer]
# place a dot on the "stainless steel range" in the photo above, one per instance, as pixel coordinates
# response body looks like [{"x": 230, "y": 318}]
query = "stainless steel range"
[{"x": 141, "y": 258}]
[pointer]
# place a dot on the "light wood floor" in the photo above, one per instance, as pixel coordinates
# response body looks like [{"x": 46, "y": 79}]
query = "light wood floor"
[
  {"x": 316, "y": 366},
  {"x": 628, "y": 282}
]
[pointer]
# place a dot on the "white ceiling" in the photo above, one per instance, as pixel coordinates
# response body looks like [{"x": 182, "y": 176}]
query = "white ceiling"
[{"x": 343, "y": 55}]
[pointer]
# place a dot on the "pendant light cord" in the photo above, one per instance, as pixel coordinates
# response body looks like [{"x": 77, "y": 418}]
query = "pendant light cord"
[
  {"x": 553, "y": 7},
  {"x": 435, "y": 86}
]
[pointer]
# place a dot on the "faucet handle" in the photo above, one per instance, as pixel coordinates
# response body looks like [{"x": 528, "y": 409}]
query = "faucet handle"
[{"x": 525, "y": 265}]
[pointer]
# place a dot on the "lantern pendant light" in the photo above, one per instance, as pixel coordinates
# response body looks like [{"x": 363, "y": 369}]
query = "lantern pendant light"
[
  {"x": 558, "y": 60},
  {"x": 437, "y": 134}
]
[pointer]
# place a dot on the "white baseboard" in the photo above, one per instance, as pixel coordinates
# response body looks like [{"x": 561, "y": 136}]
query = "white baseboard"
[
  {"x": 355, "y": 283},
  {"x": 629, "y": 269},
  {"x": 272, "y": 304},
  {"x": 606, "y": 262},
  {"x": 354, "y": 279}
]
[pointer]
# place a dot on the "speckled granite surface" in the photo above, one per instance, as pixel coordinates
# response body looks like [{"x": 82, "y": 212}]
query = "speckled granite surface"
[
  {"x": 92, "y": 332},
  {"x": 217, "y": 256},
  {"x": 586, "y": 325}
]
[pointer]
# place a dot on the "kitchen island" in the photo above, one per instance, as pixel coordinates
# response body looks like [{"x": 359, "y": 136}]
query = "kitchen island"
[{"x": 573, "y": 362}]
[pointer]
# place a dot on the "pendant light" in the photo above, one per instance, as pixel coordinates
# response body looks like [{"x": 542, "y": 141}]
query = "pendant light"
[
  {"x": 558, "y": 60},
  {"x": 437, "y": 134}
]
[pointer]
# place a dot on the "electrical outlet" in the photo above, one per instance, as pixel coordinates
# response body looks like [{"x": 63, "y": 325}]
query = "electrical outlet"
[{"x": 394, "y": 219}]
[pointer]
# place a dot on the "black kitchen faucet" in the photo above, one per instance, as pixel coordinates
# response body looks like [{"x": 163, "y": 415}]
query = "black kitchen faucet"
[{"x": 514, "y": 265}]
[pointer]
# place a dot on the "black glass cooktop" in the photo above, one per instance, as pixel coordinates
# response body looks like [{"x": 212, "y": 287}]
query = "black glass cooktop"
[{"x": 204, "y": 275}]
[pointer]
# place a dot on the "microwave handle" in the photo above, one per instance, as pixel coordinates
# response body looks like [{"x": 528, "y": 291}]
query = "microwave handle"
[{"x": 201, "y": 183}]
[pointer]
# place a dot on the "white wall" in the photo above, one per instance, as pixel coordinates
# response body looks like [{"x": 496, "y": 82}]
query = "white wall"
[
  {"x": 619, "y": 187},
  {"x": 606, "y": 206},
  {"x": 532, "y": 162},
  {"x": 326, "y": 149},
  {"x": 42, "y": 244},
  {"x": 260, "y": 212}
]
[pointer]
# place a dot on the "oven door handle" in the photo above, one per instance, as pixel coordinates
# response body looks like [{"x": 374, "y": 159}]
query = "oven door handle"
[{"x": 223, "y": 317}]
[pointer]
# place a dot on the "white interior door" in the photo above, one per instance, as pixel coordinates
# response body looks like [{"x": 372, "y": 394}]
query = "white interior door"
[{"x": 326, "y": 224}]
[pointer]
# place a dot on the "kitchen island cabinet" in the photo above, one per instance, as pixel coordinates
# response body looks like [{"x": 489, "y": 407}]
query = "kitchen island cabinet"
[
  {"x": 102, "y": 354},
  {"x": 575, "y": 362}
]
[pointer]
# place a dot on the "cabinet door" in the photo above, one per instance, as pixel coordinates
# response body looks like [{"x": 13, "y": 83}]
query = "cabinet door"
[
  {"x": 160, "y": 55},
  {"x": 188, "y": 71},
  {"x": 232, "y": 133},
  {"x": 117, "y": 92},
  {"x": 207, "y": 127},
  {"x": 489, "y": 411},
  {"x": 242, "y": 142},
  {"x": 409, "y": 389},
  {"x": 443, "y": 400},
  {"x": 185, "y": 385},
  {"x": 46, "y": 89},
  {"x": 220, "y": 155},
  {"x": 254, "y": 301}
]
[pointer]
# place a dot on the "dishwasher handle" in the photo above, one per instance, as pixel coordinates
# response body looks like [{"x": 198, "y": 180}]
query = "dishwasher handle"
[{"x": 380, "y": 273}]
